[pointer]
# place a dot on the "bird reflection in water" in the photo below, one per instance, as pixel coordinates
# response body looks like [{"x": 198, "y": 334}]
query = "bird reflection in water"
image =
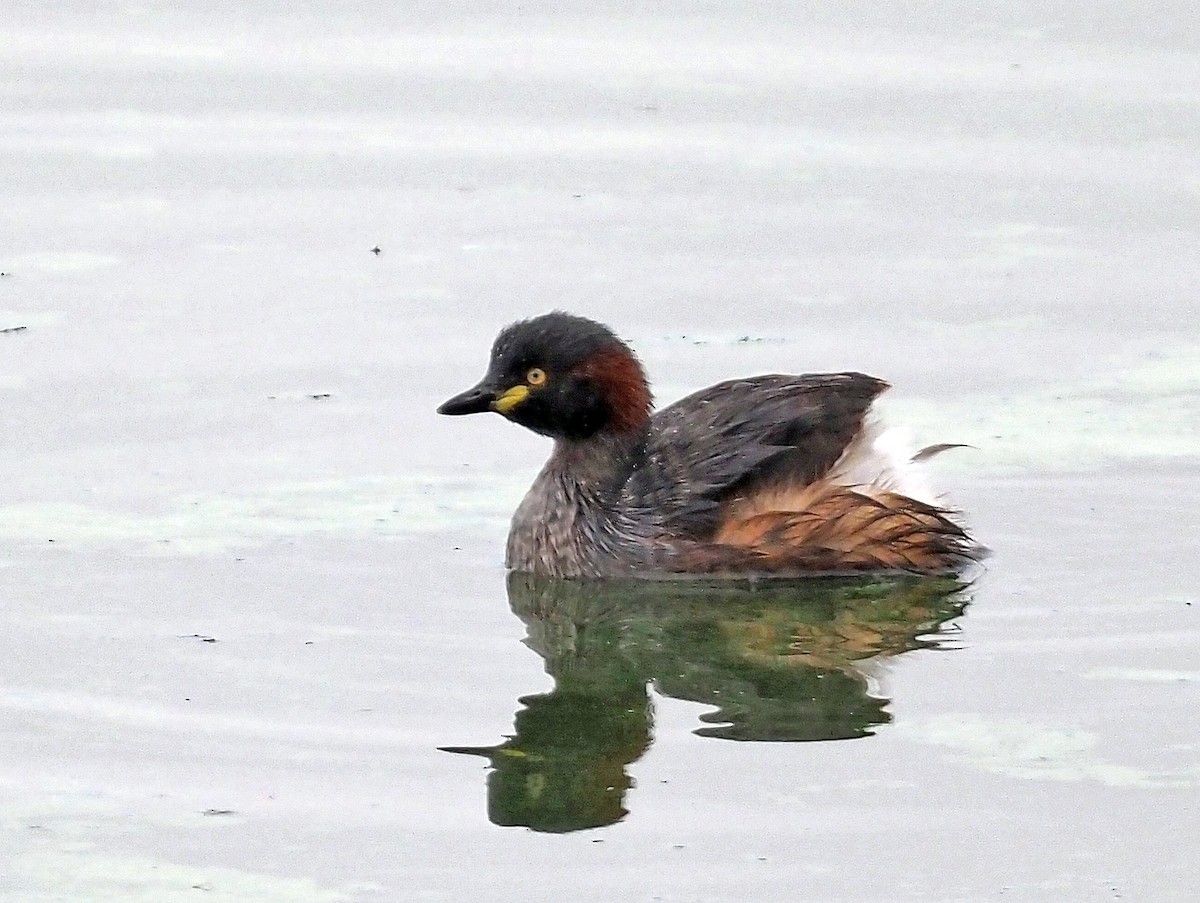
[{"x": 780, "y": 661}]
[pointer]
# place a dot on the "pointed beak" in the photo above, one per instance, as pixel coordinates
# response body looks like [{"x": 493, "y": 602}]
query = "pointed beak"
[{"x": 475, "y": 400}]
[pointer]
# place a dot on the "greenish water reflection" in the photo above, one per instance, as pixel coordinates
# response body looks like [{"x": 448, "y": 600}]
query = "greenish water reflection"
[{"x": 780, "y": 661}]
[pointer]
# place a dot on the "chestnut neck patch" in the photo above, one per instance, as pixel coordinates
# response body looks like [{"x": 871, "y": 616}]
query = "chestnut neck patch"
[{"x": 620, "y": 380}]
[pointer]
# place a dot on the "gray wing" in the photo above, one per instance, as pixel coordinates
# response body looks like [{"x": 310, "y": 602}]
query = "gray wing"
[{"x": 741, "y": 435}]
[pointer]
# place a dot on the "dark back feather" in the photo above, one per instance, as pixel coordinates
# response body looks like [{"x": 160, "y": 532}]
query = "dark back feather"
[{"x": 742, "y": 436}]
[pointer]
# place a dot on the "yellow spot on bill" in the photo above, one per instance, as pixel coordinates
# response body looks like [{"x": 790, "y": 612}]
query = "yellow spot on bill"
[{"x": 510, "y": 399}]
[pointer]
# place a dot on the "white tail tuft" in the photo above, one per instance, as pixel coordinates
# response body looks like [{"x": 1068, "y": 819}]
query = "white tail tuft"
[{"x": 881, "y": 460}]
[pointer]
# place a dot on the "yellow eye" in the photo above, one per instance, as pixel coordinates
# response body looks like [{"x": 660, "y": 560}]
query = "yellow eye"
[{"x": 536, "y": 376}]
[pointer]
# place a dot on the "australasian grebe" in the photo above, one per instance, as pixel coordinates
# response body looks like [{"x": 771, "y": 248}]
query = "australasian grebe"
[{"x": 779, "y": 475}]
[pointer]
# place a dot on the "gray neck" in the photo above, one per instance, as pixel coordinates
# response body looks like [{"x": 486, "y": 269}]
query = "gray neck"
[
  {"x": 575, "y": 520},
  {"x": 600, "y": 465}
]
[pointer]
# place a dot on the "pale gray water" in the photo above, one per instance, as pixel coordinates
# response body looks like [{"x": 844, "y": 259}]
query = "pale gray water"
[{"x": 998, "y": 212}]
